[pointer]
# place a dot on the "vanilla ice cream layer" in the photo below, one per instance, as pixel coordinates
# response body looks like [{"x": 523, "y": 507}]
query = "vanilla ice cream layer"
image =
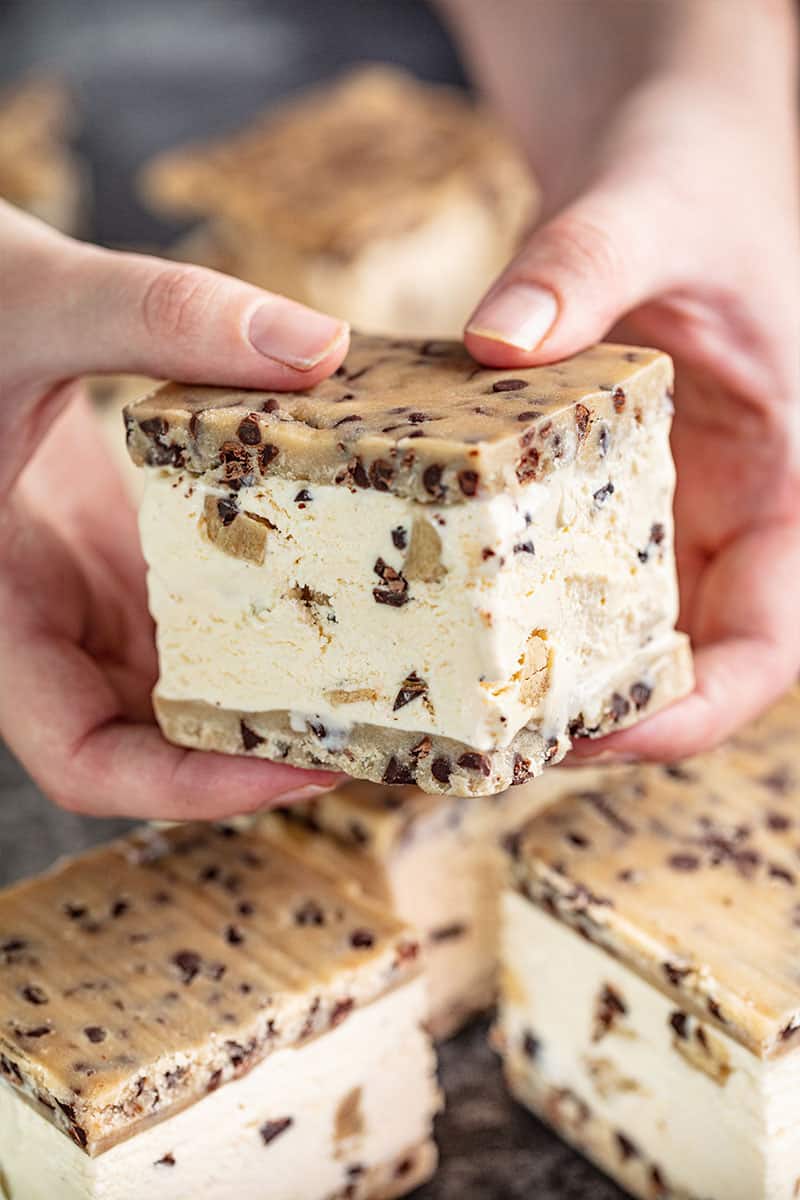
[
  {"x": 521, "y": 607},
  {"x": 684, "y": 1110},
  {"x": 307, "y": 1122}
]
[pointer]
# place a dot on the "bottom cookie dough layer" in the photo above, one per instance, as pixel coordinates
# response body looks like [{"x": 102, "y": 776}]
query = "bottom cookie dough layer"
[
  {"x": 435, "y": 764},
  {"x": 309, "y": 1121}
]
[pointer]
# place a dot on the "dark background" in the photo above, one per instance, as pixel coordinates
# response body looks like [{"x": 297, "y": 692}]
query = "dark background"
[{"x": 147, "y": 75}]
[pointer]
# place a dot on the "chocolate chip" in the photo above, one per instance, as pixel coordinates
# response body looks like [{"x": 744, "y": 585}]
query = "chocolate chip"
[
  {"x": 715, "y": 1010},
  {"x": 395, "y": 588},
  {"x": 78, "y": 1135},
  {"x": 362, "y": 939},
  {"x": 602, "y": 494},
  {"x": 416, "y": 418},
  {"x": 340, "y": 1010},
  {"x": 441, "y": 769},
  {"x": 167, "y": 1161},
  {"x": 272, "y": 1129},
  {"x": 531, "y": 1045},
  {"x": 448, "y": 933},
  {"x": 657, "y": 1180},
  {"x": 530, "y": 414},
  {"x": 357, "y": 832},
  {"x": 683, "y": 862},
  {"x": 679, "y": 1022},
  {"x": 412, "y": 688},
  {"x": 618, "y": 399},
  {"x": 577, "y": 839},
  {"x": 468, "y": 482},
  {"x": 528, "y": 465},
  {"x": 778, "y": 821},
  {"x": 640, "y": 693},
  {"x": 432, "y": 481},
  {"x": 267, "y": 455},
  {"x": 309, "y": 913},
  {"x": 603, "y": 439},
  {"x": 522, "y": 770},
  {"x": 472, "y": 761},
  {"x": 315, "y": 726},
  {"x": 403, "y": 1167},
  {"x": 421, "y": 750},
  {"x": 188, "y": 964},
  {"x": 228, "y": 509},
  {"x": 359, "y": 474},
  {"x": 214, "y": 1081},
  {"x": 347, "y": 420},
  {"x": 627, "y": 1149},
  {"x": 39, "y": 1031},
  {"x": 775, "y": 871},
  {"x": 154, "y": 426},
  {"x": 381, "y": 474},
  {"x": 674, "y": 973},
  {"x": 119, "y": 908},
  {"x": 524, "y": 548},
  {"x": 249, "y": 432},
  {"x": 582, "y": 416},
  {"x": 303, "y": 496},
  {"x": 10, "y": 1069},
  {"x": 95, "y": 1034},
  {"x": 397, "y": 772},
  {"x": 399, "y": 537},
  {"x": 509, "y": 385},
  {"x": 620, "y": 707},
  {"x": 250, "y": 739},
  {"x": 34, "y": 994},
  {"x": 234, "y": 935}
]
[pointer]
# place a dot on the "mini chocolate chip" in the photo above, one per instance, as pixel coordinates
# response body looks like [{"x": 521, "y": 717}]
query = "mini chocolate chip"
[
  {"x": 341, "y": 1009},
  {"x": 403, "y": 1167},
  {"x": 448, "y": 933},
  {"x": 357, "y": 833},
  {"x": 778, "y": 821},
  {"x": 234, "y": 935},
  {"x": 267, "y": 455},
  {"x": 472, "y": 761},
  {"x": 272, "y": 1129},
  {"x": 620, "y": 707},
  {"x": 441, "y": 769},
  {"x": 214, "y": 1081},
  {"x": 250, "y": 739},
  {"x": 679, "y": 1022},
  {"x": 528, "y": 465},
  {"x": 95, "y": 1034},
  {"x": 167, "y": 1161},
  {"x": 529, "y": 415},
  {"x": 397, "y": 772},
  {"x": 674, "y": 973},
  {"x": 602, "y": 494},
  {"x": 34, "y": 994},
  {"x": 618, "y": 399},
  {"x": 775, "y": 871},
  {"x": 522, "y": 770},
  {"x": 359, "y": 474},
  {"x": 416, "y": 418},
  {"x": 627, "y": 1148},
  {"x": 603, "y": 438},
  {"x": 640, "y": 693},
  {"x": 715, "y": 1010},
  {"x": 399, "y": 537},
  {"x": 509, "y": 385},
  {"x": 309, "y": 913},
  {"x": 362, "y": 939},
  {"x": 683, "y": 862},
  {"x": 412, "y": 688},
  {"x": 119, "y": 908},
  {"x": 154, "y": 426},
  {"x": 303, "y": 496},
  {"x": 577, "y": 839},
  {"x": 249, "y": 432},
  {"x": 188, "y": 963},
  {"x": 78, "y": 1136},
  {"x": 228, "y": 510},
  {"x": 432, "y": 481},
  {"x": 75, "y": 911},
  {"x": 582, "y": 416},
  {"x": 468, "y": 482},
  {"x": 245, "y": 908},
  {"x": 657, "y": 533},
  {"x": 524, "y": 548},
  {"x": 381, "y": 474},
  {"x": 421, "y": 750},
  {"x": 40, "y": 1031},
  {"x": 315, "y": 726},
  {"x": 531, "y": 1045},
  {"x": 346, "y": 420}
]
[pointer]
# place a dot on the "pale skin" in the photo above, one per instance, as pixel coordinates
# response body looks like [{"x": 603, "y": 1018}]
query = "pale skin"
[{"x": 673, "y": 202}]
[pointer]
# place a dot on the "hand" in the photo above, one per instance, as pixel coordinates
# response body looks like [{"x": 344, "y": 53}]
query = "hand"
[
  {"x": 77, "y": 656},
  {"x": 685, "y": 236}
]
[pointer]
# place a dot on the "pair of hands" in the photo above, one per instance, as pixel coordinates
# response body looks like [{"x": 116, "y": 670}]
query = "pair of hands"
[{"x": 684, "y": 235}]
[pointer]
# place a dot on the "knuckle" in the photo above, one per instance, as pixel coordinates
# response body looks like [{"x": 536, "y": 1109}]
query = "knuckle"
[
  {"x": 176, "y": 302},
  {"x": 591, "y": 250}
]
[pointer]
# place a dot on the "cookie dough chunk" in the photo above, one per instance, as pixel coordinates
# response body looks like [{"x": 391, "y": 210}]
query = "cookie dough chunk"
[
  {"x": 417, "y": 202},
  {"x": 650, "y": 1007},
  {"x": 196, "y": 1011},
  {"x": 418, "y": 571},
  {"x": 38, "y": 171},
  {"x": 437, "y": 862}
]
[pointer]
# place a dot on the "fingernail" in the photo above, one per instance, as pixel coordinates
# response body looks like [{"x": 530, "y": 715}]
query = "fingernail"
[
  {"x": 520, "y": 315},
  {"x": 295, "y": 336},
  {"x": 305, "y": 793}
]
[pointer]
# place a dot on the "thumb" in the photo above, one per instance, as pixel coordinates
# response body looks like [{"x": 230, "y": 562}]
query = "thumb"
[
  {"x": 104, "y": 311},
  {"x": 577, "y": 276}
]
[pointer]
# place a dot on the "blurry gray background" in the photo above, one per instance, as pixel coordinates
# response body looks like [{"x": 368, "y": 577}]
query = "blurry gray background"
[{"x": 147, "y": 75}]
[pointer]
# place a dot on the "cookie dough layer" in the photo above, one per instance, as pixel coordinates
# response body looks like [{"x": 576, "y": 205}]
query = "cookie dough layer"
[
  {"x": 185, "y": 1003},
  {"x": 438, "y": 863},
  {"x": 456, "y": 642},
  {"x": 663, "y": 1041},
  {"x": 418, "y": 201}
]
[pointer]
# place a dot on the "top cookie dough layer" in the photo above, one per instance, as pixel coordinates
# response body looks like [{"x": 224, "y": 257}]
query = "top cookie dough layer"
[
  {"x": 371, "y": 156},
  {"x": 420, "y": 419},
  {"x": 689, "y": 873},
  {"x": 139, "y": 977}
]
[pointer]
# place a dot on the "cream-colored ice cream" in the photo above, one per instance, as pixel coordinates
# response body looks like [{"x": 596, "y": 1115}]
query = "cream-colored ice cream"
[
  {"x": 191, "y": 1011},
  {"x": 418, "y": 200},
  {"x": 450, "y": 619},
  {"x": 649, "y": 1001}
]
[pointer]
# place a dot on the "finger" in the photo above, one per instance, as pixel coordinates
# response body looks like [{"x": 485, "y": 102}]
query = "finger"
[
  {"x": 747, "y": 650},
  {"x": 87, "y": 758},
  {"x": 79, "y": 309}
]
